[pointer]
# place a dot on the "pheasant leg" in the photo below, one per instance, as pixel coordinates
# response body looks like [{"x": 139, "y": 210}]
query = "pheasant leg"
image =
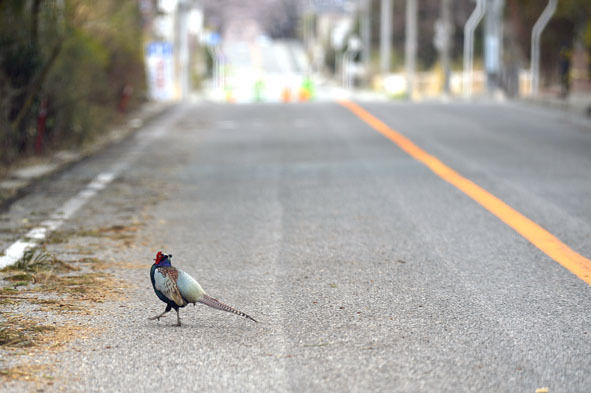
[
  {"x": 168, "y": 308},
  {"x": 178, "y": 318}
]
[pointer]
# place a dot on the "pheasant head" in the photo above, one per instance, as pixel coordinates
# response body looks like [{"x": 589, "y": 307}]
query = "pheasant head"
[{"x": 162, "y": 259}]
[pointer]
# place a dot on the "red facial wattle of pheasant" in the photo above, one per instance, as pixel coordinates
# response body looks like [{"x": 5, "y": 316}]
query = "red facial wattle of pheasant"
[{"x": 177, "y": 289}]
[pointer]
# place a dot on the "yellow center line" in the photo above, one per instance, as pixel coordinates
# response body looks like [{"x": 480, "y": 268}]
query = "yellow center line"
[{"x": 538, "y": 236}]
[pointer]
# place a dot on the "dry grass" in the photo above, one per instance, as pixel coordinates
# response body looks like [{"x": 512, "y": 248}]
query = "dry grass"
[
  {"x": 42, "y": 280},
  {"x": 93, "y": 287},
  {"x": 53, "y": 292},
  {"x": 28, "y": 372},
  {"x": 39, "y": 260},
  {"x": 123, "y": 233},
  {"x": 55, "y": 286},
  {"x": 133, "y": 266},
  {"x": 18, "y": 332}
]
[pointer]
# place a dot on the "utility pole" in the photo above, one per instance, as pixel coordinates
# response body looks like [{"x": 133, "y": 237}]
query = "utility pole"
[
  {"x": 535, "y": 44},
  {"x": 443, "y": 31},
  {"x": 493, "y": 43},
  {"x": 410, "y": 47},
  {"x": 366, "y": 37},
  {"x": 182, "y": 47},
  {"x": 385, "y": 36}
]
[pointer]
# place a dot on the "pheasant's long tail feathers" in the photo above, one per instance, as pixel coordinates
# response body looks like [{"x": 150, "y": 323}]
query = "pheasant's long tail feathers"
[{"x": 211, "y": 302}]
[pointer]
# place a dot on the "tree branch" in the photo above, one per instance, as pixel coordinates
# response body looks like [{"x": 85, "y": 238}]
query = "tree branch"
[
  {"x": 36, "y": 85},
  {"x": 35, "y": 21}
]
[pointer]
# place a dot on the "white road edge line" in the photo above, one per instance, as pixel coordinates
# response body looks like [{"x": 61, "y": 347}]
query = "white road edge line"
[
  {"x": 32, "y": 239},
  {"x": 16, "y": 251}
]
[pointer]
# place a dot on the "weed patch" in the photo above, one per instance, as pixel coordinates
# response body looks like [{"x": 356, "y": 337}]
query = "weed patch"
[
  {"x": 36, "y": 260},
  {"x": 28, "y": 372},
  {"x": 18, "y": 332}
]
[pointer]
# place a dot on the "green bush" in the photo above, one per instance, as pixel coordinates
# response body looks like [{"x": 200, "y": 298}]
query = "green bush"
[{"x": 77, "y": 59}]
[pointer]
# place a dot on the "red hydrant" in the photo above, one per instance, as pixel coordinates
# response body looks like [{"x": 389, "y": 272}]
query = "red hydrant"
[
  {"x": 41, "y": 120},
  {"x": 125, "y": 96}
]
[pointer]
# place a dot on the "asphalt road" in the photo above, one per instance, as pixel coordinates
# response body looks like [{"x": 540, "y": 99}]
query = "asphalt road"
[{"x": 366, "y": 271}]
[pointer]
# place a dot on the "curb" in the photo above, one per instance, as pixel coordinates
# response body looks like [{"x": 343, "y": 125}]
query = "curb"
[
  {"x": 579, "y": 105},
  {"x": 20, "y": 181}
]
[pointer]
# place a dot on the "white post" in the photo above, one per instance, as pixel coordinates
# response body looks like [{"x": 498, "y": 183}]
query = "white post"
[
  {"x": 469, "y": 28},
  {"x": 535, "y": 44}
]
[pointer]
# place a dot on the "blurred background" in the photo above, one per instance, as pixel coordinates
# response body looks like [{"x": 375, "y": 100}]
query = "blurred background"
[{"x": 69, "y": 69}]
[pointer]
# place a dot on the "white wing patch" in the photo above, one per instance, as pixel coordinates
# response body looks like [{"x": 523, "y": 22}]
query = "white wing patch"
[
  {"x": 189, "y": 288},
  {"x": 165, "y": 282}
]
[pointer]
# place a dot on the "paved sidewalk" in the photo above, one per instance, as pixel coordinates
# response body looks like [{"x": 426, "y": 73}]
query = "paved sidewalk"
[{"x": 577, "y": 104}]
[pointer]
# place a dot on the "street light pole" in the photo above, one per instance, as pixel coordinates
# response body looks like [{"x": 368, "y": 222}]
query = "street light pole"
[
  {"x": 535, "y": 44},
  {"x": 410, "y": 47},
  {"x": 366, "y": 37}
]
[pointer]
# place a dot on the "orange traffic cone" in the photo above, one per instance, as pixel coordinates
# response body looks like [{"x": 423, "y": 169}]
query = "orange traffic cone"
[{"x": 286, "y": 95}]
